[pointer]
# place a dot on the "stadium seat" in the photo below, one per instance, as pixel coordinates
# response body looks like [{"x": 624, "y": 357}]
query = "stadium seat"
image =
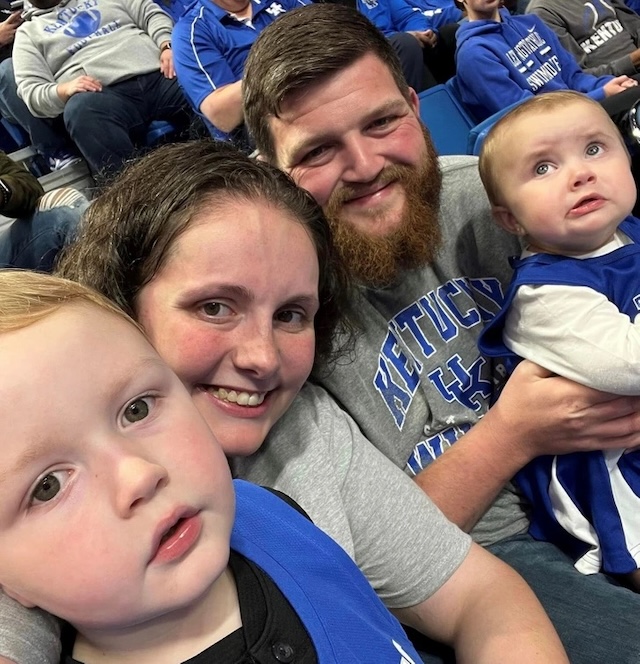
[{"x": 452, "y": 128}]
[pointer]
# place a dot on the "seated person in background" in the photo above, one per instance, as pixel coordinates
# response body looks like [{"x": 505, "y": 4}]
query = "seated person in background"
[
  {"x": 107, "y": 68},
  {"x": 51, "y": 144},
  {"x": 211, "y": 43},
  {"x": 403, "y": 20},
  {"x": 155, "y": 557},
  {"x": 603, "y": 36},
  {"x": 519, "y": 56},
  {"x": 572, "y": 307},
  {"x": 175, "y": 8},
  {"x": 33, "y": 240}
]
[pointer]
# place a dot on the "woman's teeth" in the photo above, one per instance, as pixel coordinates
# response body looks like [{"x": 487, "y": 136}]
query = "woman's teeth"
[{"x": 241, "y": 398}]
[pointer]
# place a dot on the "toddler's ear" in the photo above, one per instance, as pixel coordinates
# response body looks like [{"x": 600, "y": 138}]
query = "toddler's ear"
[
  {"x": 506, "y": 220},
  {"x": 17, "y": 597}
]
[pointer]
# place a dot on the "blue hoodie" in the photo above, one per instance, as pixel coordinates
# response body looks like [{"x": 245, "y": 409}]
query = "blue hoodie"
[
  {"x": 391, "y": 16},
  {"x": 500, "y": 63},
  {"x": 439, "y": 12}
]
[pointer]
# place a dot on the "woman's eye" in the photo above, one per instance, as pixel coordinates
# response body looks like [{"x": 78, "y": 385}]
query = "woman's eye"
[
  {"x": 290, "y": 316},
  {"x": 137, "y": 410},
  {"x": 47, "y": 488}
]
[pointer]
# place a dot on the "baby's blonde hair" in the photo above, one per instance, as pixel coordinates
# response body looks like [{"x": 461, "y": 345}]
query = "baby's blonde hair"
[
  {"x": 496, "y": 141},
  {"x": 28, "y": 297}
]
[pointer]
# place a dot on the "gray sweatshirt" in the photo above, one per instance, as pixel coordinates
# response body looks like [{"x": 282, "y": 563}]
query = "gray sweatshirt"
[
  {"x": 111, "y": 40},
  {"x": 600, "y": 34}
]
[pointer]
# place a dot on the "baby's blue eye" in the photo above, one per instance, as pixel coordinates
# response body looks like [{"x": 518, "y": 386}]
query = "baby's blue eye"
[
  {"x": 542, "y": 169},
  {"x": 593, "y": 149},
  {"x": 47, "y": 489},
  {"x": 137, "y": 410}
]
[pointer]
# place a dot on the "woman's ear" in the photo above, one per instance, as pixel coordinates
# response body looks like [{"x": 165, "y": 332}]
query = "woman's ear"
[{"x": 506, "y": 220}]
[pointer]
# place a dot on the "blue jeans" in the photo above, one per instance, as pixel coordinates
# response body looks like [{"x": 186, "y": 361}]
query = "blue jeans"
[
  {"x": 46, "y": 138},
  {"x": 596, "y": 618},
  {"x": 32, "y": 243},
  {"x": 106, "y": 125}
]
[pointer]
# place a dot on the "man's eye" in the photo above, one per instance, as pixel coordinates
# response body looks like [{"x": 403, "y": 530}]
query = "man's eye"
[
  {"x": 313, "y": 154},
  {"x": 47, "y": 488},
  {"x": 382, "y": 122},
  {"x": 214, "y": 309},
  {"x": 137, "y": 410}
]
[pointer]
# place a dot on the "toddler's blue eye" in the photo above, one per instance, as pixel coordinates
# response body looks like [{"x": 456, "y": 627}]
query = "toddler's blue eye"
[
  {"x": 542, "y": 169},
  {"x": 47, "y": 489},
  {"x": 137, "y": 410}
]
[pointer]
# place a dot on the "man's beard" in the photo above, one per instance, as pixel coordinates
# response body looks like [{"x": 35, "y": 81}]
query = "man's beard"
[{"x": 376, "y": 261}]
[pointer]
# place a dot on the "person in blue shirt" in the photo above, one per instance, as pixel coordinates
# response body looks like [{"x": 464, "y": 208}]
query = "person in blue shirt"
[
  {"x": 432, "y": 23},
  {"x": 518, "y": 57},
  {"x": 211, "y": 42}
]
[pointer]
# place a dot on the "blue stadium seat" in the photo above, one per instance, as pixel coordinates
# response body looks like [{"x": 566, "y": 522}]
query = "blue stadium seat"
[{"x": 452, "y": 128}]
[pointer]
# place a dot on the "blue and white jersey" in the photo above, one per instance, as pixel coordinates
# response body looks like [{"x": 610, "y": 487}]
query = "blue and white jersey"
[
  {"x": 210, "y": 45},
  {"x": 344, "y": 617},
  {"x": 587, "y": 502}
]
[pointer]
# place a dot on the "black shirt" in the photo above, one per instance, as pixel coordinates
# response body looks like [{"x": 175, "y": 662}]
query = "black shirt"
[{"x": 271, "y": 632}]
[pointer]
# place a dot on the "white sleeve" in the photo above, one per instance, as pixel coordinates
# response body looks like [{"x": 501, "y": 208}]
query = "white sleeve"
[{"x": 578, "y": 333}]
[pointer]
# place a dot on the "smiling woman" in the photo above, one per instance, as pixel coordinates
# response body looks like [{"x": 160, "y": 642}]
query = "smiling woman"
[
  {"x": 195, "y": 279},
  {"x": 230, "y": 267}
]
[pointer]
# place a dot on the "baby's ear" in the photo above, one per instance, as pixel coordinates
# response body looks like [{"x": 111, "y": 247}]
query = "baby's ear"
[
  {"x": 506, "y": 220},
  {"x": 17, "y": 597}
]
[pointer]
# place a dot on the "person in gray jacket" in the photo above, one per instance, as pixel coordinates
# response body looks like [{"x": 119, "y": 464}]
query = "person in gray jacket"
[
  {"x": 603, "y": 35},
  {"x": 106, "y": 66}
]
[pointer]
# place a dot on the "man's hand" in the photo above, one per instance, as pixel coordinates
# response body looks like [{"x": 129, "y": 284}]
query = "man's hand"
[
  {"x": 540, "y": 413},
  {"x": 425, "y": 37},
  {"x": 80, "y": 84},
  {"x": 8, "y": 28},
  {"x": 537, "y": 413},
  {"x": 618, "y": 84},
  {"x": 166, "y": 63}
]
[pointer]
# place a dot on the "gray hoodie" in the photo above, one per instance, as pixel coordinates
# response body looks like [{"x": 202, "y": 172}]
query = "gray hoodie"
[
  {"x": 111, "y": 40},
  {"x": 600, "y": 34}
]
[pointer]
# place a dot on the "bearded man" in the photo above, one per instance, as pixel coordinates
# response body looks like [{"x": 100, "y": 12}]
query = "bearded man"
[{"x": 325, "y": 101}]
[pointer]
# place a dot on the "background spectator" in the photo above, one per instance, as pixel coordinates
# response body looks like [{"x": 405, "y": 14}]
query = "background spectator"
[
  {"x": 427, "y": 23},
  {"x": 211, "y": 43},
  {"x": 603, "y": 36},
  {"x": 519, "y": 56},
  {"x": 106, "y": 66},
  {"x": 42, "y": 225}
]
